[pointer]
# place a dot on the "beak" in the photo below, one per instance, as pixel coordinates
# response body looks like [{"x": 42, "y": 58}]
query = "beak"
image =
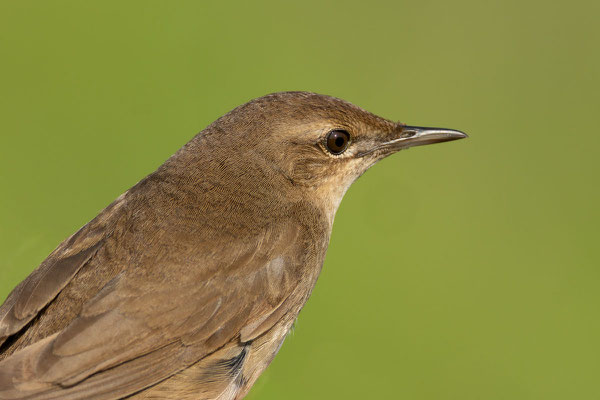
[{"x": 411, "y": 136}]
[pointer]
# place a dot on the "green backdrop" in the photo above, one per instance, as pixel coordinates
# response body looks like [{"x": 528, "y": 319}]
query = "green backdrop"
[{"x": 466, "y": 270}]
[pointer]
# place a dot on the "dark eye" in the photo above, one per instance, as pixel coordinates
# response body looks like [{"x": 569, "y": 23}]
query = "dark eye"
[{"x": 337, "y": 141}]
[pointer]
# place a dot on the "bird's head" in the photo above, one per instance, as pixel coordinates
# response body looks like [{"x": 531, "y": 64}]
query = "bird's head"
[{"x": 318, "y": 144}]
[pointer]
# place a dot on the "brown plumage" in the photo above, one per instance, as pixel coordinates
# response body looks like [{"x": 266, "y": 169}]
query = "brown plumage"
[{"x": 187, "y": 284}]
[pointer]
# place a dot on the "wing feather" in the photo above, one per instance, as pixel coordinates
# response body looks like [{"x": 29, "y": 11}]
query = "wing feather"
[
  {"x": 147, "y": 324},
  {"x": 53, "y": 275}
]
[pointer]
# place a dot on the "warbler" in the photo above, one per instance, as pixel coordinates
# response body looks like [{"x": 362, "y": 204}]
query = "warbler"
[{"x": 187, "y": 284}]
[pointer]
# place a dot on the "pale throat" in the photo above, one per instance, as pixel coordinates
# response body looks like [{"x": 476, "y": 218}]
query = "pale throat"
[{"x": 331, "y": 193}]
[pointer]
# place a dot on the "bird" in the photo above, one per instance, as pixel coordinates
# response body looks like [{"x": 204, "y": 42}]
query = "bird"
[{"x": 186, "y": 286}]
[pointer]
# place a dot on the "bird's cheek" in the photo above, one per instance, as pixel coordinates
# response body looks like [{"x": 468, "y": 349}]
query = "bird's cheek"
[{"x": 309, "y": 172}]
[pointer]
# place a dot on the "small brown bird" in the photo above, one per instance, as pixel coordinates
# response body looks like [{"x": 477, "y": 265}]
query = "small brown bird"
[{"x": 186, "y": 285}]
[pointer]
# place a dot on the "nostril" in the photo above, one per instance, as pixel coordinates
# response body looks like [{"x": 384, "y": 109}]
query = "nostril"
[{"x": 407, "y": 133}]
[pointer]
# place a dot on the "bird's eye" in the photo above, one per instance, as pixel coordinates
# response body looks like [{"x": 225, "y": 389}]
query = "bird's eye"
[{"x": 337, "y": 141}]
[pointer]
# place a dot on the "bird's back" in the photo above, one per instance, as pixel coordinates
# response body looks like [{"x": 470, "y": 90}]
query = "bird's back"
[{"x": 162, "y": 296}]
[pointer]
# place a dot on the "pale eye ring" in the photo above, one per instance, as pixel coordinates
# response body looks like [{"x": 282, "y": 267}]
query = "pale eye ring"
[{"x": 337, "y": 141}]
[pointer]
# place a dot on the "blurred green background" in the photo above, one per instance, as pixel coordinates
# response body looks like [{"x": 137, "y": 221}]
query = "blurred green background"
[{"x": 467, "y": 270}]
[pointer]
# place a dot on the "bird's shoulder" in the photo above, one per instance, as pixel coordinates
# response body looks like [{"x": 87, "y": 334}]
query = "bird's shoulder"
[{"x": 51, "y": 277}]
